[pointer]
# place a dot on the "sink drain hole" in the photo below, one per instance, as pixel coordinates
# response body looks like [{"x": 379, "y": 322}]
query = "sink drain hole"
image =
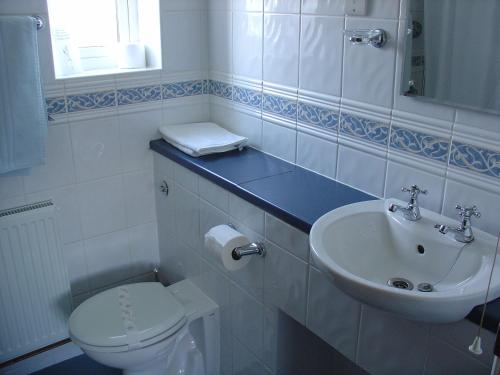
[{"x": 400, "y": 283}]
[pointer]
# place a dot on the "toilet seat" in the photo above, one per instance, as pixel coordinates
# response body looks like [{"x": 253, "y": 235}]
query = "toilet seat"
[{"x": 126, "y": 318}]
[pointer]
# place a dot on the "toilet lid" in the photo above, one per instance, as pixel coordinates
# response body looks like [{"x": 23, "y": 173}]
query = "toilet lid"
[{"x": 128, "y": 316}]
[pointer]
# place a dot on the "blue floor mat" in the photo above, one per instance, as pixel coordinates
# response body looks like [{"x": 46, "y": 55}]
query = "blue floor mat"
[{"x": 80, "y": 365}]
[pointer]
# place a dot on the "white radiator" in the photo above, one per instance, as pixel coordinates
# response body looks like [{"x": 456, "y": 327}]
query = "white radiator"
[{"x": 35, "y": 297}]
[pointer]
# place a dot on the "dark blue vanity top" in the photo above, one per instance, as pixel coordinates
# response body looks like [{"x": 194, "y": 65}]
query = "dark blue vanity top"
[{"x": 289, "y": 192}]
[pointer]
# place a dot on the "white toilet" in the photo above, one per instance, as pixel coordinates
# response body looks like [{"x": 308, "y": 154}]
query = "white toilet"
[{"x": 149, "y": 329}]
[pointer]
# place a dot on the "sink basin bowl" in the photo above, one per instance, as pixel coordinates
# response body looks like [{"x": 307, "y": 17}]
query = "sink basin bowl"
[{"x": 381, "y": 259}]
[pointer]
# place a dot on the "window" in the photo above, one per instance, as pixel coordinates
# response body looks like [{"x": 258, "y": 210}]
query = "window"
[{"x": 94, "y": 37}]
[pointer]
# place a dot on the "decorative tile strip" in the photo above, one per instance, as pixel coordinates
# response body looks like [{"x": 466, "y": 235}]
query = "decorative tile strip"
[
  {"x": 428, "y": 146},
  {"x": 138, "y": 95},
  {"x": 96, "y": 100},
  {"x": 280, "y": 106},
  {"x": 182, "y": 89},
  {"x": 221, "y": 89},
  {"x": 248, "y": 97},
  {"x": 318, "y": 116},
  {"x": 56, "y": 106},
  {"x": 206, "y": 83},
  {"x": 365, "y": 129},
  {"x": 475, "y": 158}
]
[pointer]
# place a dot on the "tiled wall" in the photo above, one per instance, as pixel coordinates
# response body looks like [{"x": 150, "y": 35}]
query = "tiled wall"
[
  {"x": 99, "y": 168},
  {"x": 283, "y": 74},
  {"x": 285, "y": 279}
]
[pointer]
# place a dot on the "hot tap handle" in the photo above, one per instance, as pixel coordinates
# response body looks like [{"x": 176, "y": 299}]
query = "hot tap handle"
[
  {"x": 468, "y": 212},
  {"x": 414, "y": 190}
]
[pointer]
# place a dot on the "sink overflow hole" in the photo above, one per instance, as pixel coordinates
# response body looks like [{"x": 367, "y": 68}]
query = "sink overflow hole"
[
  {"x": 400, "y": 283},
  {"x": 420, "y": 249},
  {"x": 425, "y": 287}
]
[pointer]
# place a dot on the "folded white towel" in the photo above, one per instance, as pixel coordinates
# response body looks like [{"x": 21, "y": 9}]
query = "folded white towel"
[{"x": 201, "y": 138}]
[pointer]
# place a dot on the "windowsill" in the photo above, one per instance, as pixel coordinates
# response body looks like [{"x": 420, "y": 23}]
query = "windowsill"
[{"x": 106, "y": 72}]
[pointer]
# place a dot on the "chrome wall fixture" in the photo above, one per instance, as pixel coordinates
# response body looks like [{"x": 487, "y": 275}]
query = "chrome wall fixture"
[
  {"x": 375, "y": 38},
  {"x": 40, "y": 24},
  {"x": 250, "y": 249}
]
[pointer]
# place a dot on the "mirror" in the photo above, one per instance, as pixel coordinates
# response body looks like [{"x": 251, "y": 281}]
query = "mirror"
[{"x": 452, "y": 53}]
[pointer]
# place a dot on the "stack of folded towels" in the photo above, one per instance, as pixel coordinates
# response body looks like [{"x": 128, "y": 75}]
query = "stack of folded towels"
[{"x": 201, "y": 138}]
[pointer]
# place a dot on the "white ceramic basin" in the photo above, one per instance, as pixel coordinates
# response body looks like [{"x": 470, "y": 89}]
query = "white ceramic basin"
[{"x": 363, "y": 245}]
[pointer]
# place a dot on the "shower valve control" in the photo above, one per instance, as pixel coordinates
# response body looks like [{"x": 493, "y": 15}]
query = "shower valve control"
[{"x": 164, "y": 187}]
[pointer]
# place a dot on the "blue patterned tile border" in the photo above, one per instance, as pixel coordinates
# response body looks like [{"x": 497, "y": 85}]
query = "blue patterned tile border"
[
  {"x": 321, "y": 117},
  {"x": 220, "y": 89},
  {"x": 138, "y": 95},
  {"x": 475, "y": 158},
  {"x": 248, "y": 97},
  {"x": 365, "y": 129},
  {"x": 95, "y": 100},
  {"x": 181, "y": 89},
  {"x": 56, "y": 106},
  {"x": 206, "y": 86},
  {"x": 428, "y": 146},
  {"x": 280, "y": 106}
]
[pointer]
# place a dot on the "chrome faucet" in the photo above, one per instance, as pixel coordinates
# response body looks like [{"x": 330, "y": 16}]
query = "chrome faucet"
[
  {"x": 411, "y": 211},
  {"x": 463, "y": 233}
]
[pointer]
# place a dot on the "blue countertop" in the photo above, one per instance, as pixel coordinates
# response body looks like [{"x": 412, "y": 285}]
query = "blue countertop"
[{"x": 293, "y": 194}]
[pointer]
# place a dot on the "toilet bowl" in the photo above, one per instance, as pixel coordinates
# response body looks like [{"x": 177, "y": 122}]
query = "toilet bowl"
[{"x": 149, "y": 329}]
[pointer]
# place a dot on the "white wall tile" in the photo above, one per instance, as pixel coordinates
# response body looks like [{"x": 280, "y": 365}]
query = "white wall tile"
[
  {"x": 368, "y": 73},
  {"x": 332, "y": 315},
  {"x": 383, "y": 8},
  {"x": 66, "y": 201},
  {"x": 399, "y": 175},
  {"x": 11, "y": 186},
  {"x": 108, "y": 258},
  {"x": 317, "y": 154},
  {"x": 361, "y": 170},
  {"x": 187, "y": 217},
  {"x": 279, "y": 141},
  {"x": 213, "y": 194},
  {"x": 186, "y": 178},
  {"x": 280, "y": 6},
  {"x": 136, "y": 130},
  {"x": 287, "y": 237},
  {"x": 324, "y": 7},
  {"x": 406, "y": 340},
  {"x": 58, "y": 168},
  {"x": 76, "y": 264},
  {"x": 285, "y": 280},
  {"x": 247, "y": 44},
  {"x": 182, "y": 35},
  {"x": 465, "y": 195},
  {"x": 96, "y": 150},
  {"x": 247, "y": 126},
  {"x": 247, "y": 319},
  {"x": 248, "y": 5},
  {"x": 143, "y": 244},
  {"x": 321, "y": 48},
  {"x": 281, "y": 49},
  {"x": 220, "y": 40},
  {"x": 102, "y": 206},
  {"x": 247, "y": 213},
  {"x": 139, "y": 197}
]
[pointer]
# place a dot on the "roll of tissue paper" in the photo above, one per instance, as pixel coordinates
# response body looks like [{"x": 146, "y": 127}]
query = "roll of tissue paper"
[
  {"x": 131, "y": 56},
  {"x": 221, "y": 240}
]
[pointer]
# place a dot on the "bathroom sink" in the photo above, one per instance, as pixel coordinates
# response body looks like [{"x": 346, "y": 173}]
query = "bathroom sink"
[{"x": 405, "y": 267}]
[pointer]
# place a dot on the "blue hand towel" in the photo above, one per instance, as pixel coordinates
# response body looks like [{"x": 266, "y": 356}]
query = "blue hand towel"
[{"x": 23, "y": 115}]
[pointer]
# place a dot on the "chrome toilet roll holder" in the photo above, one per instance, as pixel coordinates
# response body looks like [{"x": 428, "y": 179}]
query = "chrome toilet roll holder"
[{"x": 250, "y": 249}]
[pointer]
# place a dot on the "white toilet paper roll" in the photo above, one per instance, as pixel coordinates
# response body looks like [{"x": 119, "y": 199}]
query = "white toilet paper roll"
[{"x": 221, "y": 240}]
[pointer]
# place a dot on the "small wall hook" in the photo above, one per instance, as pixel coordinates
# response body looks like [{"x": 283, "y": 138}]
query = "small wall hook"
[{"x": 376, "y": 37}]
